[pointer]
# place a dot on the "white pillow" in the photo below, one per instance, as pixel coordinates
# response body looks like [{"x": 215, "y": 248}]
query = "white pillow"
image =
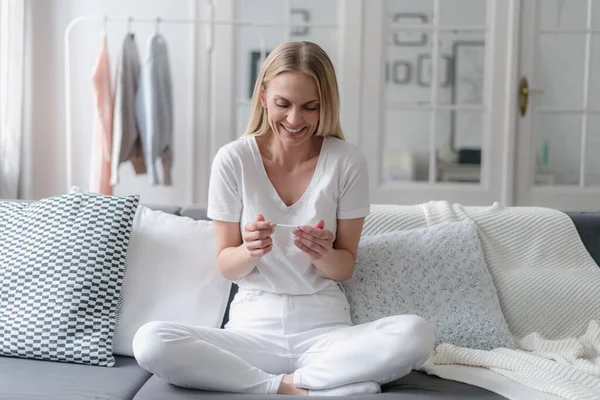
[{"x": 172, "y": 275}]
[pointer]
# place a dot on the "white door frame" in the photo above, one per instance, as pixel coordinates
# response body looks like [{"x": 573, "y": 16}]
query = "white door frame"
[
  {"x": 509, "y": 131},
  {"x": 349, "y": 70}
]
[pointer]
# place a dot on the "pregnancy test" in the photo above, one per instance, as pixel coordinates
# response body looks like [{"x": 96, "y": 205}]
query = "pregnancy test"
[{"x": 286, "y": 226}]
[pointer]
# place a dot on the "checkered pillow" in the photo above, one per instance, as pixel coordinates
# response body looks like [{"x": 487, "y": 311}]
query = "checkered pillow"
[{"x": 62, "y": 265}]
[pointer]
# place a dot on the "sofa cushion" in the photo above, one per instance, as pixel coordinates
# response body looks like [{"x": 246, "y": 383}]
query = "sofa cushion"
[
  {"x": 169, "y": 209},
  {"x": 62, "y": 264},
  {"x": 414, "y": 386},
  {"x": 33, "y": 379},
  {"x": 439, "y": 273},
  {"x": 588, "y": 227},
  {"x": 195, "y": 211},
  {"x": 172, "y": 275}
]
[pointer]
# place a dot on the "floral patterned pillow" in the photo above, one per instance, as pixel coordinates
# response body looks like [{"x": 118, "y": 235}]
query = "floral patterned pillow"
[{"x": 437, "y": 272}]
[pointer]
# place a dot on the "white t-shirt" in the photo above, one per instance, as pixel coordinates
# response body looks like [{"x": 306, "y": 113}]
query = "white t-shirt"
[{"x": 240, "y": 189}]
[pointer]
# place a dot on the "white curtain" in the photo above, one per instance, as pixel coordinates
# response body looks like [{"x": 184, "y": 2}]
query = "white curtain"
[{"x": 12, "y": 65}]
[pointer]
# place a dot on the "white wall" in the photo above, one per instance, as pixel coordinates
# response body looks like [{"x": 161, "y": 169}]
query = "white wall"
[{"x": 44, "y": 173}]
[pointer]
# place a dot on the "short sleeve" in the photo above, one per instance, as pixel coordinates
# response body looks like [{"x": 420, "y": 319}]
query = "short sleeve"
[
  {"x": 354, "y": 199},
  {"x": 224, "y": 200}
]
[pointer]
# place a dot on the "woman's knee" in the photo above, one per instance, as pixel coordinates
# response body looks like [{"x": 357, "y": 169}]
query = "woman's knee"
[
  {"x": 418, "y": 336},
  {"x": 425, "y": 334},
  {"x": 149, "y": 346}
]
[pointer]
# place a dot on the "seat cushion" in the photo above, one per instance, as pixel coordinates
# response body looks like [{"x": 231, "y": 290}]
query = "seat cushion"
[
  {"x": 414, "y": 386},
  {"x": 26, "y": 379},
  {"x": 419, "y": 385}
]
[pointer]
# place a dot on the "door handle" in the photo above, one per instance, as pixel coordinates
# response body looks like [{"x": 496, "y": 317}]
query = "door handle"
[{"x": 524, "y": 92}]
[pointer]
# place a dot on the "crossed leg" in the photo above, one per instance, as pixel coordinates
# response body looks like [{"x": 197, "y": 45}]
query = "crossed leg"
[
  {"x": 380, "y": 351},
  {"x": 211, "y": 359},
  {"x": 246, "y": 362}
]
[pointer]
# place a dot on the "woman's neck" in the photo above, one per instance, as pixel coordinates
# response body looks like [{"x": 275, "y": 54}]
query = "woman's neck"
[{"x": 289, "y": 157}]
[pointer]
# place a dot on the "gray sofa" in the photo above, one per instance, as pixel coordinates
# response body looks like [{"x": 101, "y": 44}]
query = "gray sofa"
[{"x": 22, "y": 379}]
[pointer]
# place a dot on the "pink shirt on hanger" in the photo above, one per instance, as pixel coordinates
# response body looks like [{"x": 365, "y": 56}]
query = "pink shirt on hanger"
[{"x": 103, "y": 123}]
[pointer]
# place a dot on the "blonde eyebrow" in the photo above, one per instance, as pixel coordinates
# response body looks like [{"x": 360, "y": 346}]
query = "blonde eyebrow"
[{"x": 284, "y": 99}]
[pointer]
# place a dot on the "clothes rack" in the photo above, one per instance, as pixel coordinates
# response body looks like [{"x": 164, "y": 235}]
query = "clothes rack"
[{"x": 210, "y": 23}]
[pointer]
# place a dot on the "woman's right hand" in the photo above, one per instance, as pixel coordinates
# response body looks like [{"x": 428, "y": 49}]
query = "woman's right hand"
[{"x": 257, "y": 236}]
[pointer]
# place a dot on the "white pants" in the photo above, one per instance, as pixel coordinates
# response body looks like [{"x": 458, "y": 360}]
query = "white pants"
[{"x": 269, "y": 335}]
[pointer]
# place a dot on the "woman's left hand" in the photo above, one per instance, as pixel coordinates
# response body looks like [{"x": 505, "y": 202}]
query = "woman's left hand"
[{"x": 315, "y": 241}]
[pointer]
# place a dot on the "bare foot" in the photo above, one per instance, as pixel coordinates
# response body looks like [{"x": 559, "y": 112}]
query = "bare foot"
[{"x": 287, "y": 387}]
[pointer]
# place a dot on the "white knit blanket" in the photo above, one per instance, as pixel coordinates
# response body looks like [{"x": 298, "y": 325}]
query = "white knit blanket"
[
  {"x": 549, "y": 290},
  {"x": 539, "y": 369}
]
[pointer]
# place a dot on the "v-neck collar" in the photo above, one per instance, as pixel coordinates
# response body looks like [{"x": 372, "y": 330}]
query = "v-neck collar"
[{"x": 263, "y": 172}]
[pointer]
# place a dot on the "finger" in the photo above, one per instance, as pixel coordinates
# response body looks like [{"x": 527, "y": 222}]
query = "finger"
[
  {"x": 310, "y": 252},
  {"x": 318, "y": 233},
  {"x": 310, "y": 230},
  {"x": 259, "y": 244},
  {"x": 317, "y": 248},
  {"x": 258, "y": 235},
  {"x": 320, "y": 224},
  {"x": 262, "y": 224},
  {"x": 258, "y": 225},
  {"x": 308, "y": 236},
  {"x": 261, "y": 252},
  {"x": 266, "y": 225}
]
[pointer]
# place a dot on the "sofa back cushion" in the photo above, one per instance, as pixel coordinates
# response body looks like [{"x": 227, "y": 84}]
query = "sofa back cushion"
[
  {"x": 197, "y": 211},
  {"x": 588, "y": 228},
  {"x": 438, "y": 273},
  {"x": 172, "y": 275}
]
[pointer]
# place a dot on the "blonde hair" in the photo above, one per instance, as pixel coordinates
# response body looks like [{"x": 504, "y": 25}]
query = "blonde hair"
[{"x": 311, "y": 59}]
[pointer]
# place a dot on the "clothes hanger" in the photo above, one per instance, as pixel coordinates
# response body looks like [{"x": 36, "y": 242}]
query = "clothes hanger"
[
  {"x": 156, "y": 31},
  {"x": 104, "y": 27},
  {"x": 129, "y": 21}
]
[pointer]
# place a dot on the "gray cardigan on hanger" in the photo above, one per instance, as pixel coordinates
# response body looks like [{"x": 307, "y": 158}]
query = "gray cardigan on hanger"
[
  {"x": 154, "y": 110},
  {"x": 126, "y": 143}
]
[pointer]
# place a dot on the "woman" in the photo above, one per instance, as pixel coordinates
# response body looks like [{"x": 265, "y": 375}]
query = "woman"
[{"x": 288, "y": 201}]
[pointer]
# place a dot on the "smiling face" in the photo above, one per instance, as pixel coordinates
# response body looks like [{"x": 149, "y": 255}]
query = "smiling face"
[{"x": 292, "y": 103}]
